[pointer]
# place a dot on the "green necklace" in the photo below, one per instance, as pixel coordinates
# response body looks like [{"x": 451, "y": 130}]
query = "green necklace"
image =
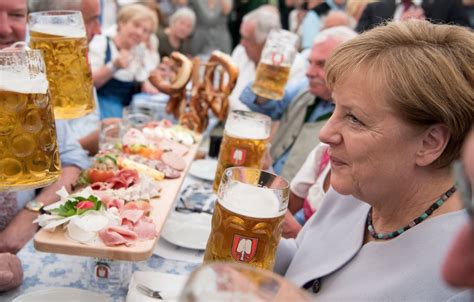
[{"x": 418, "y": 220}]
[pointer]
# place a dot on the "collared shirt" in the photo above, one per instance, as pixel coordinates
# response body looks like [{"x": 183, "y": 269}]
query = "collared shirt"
[
  {"x": 272, "y": 108},
  {"x": 84, "y": 125}
]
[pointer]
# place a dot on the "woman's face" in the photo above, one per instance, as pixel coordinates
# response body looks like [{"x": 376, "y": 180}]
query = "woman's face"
[
  {"x": 182, "y": 28},
  {"x": 372, "y": 150},
  {"x": 134, "y": 32}
]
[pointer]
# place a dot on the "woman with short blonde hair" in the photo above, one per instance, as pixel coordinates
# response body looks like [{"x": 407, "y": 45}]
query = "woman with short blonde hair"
[{"x": 404, "y": 96}]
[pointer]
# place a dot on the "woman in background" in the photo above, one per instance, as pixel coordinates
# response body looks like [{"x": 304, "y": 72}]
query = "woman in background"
[
  {"x": 120, "y": 64},
  {"x": 176, "y": 37}
]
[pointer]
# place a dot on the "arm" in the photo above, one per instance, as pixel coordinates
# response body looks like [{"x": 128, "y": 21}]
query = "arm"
[
  {"x": 21, "y": 229},
  {"x": 104, "y": 73},
  {"x": 11, "y": 272}
]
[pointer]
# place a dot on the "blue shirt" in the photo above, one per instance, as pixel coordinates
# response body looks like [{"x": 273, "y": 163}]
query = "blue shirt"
[
  {"x": 273, "y": 108},
  {"x": 70, "y": 153}
]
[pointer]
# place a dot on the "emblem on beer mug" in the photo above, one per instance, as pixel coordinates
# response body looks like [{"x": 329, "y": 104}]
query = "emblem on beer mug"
[
  {"x": 238, "y": 156},
  {"x": 277, "y": 58},
  {"x": 244, "y": 248}
]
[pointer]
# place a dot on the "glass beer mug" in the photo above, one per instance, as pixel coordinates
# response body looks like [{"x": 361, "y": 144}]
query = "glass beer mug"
[
  {"x": 248, "y": 217},
  {"x": 29, "y": 155},
  {"x": 273, "y": 69},
  {"x": 61, "y": 36},
  {"x": 244, "y": 143}
]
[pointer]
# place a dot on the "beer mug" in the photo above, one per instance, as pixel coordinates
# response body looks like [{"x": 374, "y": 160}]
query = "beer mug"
[
  {"x": 239, "y": 283},
  {"x": 61, "y": 36},
  {"x": 244, "y": 143},
  {"x": 248, "y": 217},
  {"x": 273, "y": 69},
  {"x": 29, "y": 155}
]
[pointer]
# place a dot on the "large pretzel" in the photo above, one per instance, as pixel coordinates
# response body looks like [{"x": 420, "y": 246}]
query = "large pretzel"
[
  {"x": 176, "y": 88},
  {"x": 217, "y": 97}
]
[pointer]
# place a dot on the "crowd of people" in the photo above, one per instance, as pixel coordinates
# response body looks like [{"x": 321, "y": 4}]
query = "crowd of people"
[{"x": 373, "y": 117}]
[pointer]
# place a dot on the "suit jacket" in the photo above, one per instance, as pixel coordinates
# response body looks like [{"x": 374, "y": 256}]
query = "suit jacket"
[
  {"x": 330, "y": 249},
  {"x": 437, "y": 11}
]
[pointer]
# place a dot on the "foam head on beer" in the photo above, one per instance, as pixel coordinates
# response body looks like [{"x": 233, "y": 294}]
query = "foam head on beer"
[
  {"x": 248, "y": 125},
  {"x": 60, "y": 30},
  {"x": 252, "y": 201},
  {"x": 21, "y": 81}
]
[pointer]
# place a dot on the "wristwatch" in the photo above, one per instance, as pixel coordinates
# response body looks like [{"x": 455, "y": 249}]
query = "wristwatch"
[{"x": 34, "y": 205}]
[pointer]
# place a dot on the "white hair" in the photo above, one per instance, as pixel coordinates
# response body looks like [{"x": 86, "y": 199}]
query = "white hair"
[
  {"x": 340, "y": 33},
  {"x": 44, "y": 5},
  {"x": 265, "y": 20},
  {"x": 183, "y": 12}
]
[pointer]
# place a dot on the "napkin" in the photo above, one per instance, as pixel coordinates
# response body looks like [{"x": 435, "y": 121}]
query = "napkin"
[{"x": 169, "y": 285}]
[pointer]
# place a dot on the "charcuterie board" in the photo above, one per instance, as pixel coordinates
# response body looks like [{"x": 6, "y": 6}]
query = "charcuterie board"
[{"x": 57, "y": 242}]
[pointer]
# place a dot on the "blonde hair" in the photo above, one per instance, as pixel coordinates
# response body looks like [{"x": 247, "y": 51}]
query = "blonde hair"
[
  {"x": 424, "y": 70},
  {"x": 134, "y": 12}
]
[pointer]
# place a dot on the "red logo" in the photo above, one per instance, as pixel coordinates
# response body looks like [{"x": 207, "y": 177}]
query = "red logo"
[
  {"x": 102, "y": 271},
  {"x": 244, "y": 248},
  {"x": 237, "y": 156},
  {"x": 277, "y": 58}
]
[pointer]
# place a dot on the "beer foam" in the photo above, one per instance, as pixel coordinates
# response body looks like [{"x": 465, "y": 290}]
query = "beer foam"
[
  {"x": 247, "y": 129},
  {"x": 59, "y": 30},
  {"x": 23, "y": 82},
  {"x": 252, "y": 201}
]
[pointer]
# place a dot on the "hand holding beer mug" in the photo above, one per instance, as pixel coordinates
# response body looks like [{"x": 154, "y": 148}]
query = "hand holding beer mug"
[
  {"x": 244, "y": 143},
  {"x": 248, "y": 217},
  {"x": 61, "y": 36},
  {"x": 29, "y": 155},
  {"x": 273, "y": 69}
]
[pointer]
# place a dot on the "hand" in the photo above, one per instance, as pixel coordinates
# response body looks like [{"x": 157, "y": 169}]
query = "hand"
[
  {"x": 148, "y": 87},
  {"x": 11, "y": 272},
  {"x": 413, "y": 13},
  {"x": 123, "y": 59},
  {"x": 291, "y": 227}
]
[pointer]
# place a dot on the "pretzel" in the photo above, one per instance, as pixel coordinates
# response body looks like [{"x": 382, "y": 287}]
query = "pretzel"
[
  {"x": 184, "y": 68},
  {"x": 176, "y": 88},
  {"x": 217, "y": 97}
]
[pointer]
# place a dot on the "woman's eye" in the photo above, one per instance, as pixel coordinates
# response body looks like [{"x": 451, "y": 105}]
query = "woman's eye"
[{"x": 353, "y": 119}]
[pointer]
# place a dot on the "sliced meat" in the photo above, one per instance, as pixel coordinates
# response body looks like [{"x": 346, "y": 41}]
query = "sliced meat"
[
  {"x": 174, "y": 160},
  {"x": 117, "y": 235},
  {"x": 138, "y": 205},
  {"x": 145, "y": 229},
  {"x": 132, "y": 215},
  {"x": 170, "y": 145},
  {"x": 170, "y": 173}
]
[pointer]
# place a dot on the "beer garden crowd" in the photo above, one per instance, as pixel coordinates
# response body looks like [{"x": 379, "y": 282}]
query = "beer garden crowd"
[{"x": 122, "y": 56}]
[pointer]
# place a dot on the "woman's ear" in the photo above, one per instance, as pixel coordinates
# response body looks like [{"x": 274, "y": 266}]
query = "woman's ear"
[{"x": 433, "y": 143}]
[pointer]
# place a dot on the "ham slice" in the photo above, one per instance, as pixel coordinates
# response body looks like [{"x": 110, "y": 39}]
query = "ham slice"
[
  {"x": 145, "y": 229},
  {"x": 132, "y": 215},
  {"x": 174, "y": 160},
  {"x": 117, "y": 235}
]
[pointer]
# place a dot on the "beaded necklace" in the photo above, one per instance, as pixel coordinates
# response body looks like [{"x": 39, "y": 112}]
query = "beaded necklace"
[{"x": 418, "y": 220}]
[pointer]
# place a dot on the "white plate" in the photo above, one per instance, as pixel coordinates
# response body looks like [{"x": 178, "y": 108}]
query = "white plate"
[
  {"x": 204, "y": 169},
  {"x": 188, "y": 230},
  {"x": 58, "y": 294}
]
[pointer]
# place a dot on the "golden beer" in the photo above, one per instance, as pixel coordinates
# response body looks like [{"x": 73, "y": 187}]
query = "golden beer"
[
  {"x": 248, "y": 218},
  {"x": 270, "y": 81},
  {"x": 244, "y": 143},
  {"x": 29, "y": 155},
  {"x": 273, "y": 70},
  {"x": 70, "y": 79}
]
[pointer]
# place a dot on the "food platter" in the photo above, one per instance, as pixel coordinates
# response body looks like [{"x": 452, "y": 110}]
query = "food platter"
[{"x": 57, "y": 241}]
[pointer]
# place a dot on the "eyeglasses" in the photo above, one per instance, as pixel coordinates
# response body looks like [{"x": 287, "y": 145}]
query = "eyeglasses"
[{"x": 465, "y": 188}]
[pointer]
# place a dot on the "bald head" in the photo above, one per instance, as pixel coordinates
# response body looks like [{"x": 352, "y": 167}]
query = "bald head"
[{"x": 336, "y": 18}]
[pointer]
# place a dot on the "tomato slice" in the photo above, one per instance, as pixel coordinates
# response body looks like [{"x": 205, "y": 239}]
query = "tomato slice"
[{"x": 96, "y": 175}]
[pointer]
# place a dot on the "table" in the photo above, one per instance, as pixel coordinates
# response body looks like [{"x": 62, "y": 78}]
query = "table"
[{"x": 43, "y": 270}]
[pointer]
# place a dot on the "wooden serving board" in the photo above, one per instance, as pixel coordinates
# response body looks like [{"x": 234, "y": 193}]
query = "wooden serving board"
[{"x": 57, "y": 242}]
